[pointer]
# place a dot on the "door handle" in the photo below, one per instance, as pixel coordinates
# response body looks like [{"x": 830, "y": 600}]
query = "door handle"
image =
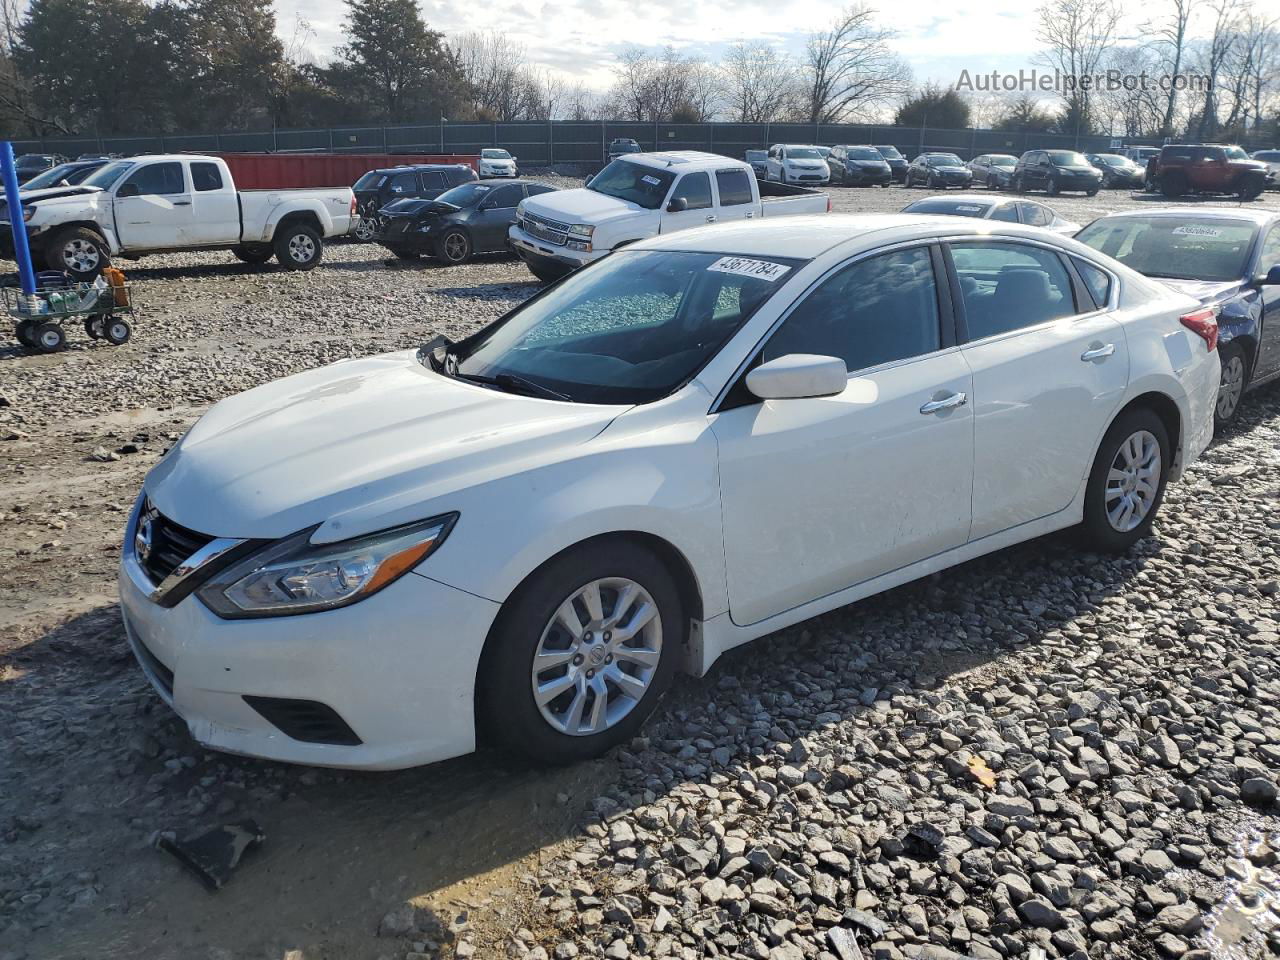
[
  {"x": 750, "y": 215},
  {"x": 182, "y": 203},
  {"x": 1098, "y": 353},
  {"x": 711, "y": 219},
  {"x": 946, "y": 403}
]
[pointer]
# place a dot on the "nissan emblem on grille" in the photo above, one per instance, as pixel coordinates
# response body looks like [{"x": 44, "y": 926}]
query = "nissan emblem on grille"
[{"x": 142, "y": 539}]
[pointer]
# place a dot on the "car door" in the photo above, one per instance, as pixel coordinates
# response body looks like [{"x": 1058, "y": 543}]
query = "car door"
[
  {"x": 820, "y": 494},
  {"x": 493, "y": 217},
  {"x": 215, "y": 208},
  {"x": 735, "y": 198},
  {"x": 152, "y": 207},
  {"x": 1268, "y": 363},
  {"x": 1049, "y": 370},
  {"x": 695, "y": 190}
]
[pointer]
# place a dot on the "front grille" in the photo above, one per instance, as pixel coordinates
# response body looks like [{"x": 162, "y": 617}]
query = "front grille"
[
  {"x": 305, "y": 720},
  {"x": 549, "y": 230},
  {"x": 161, "y": 674},
  {"x": 171, "y": 544}
]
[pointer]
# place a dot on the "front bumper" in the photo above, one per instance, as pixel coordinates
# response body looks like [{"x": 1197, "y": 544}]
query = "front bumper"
[
  {"x": 806, "y": 176},
  {"x": 398, "y": 668},
  {"x": 533, "y": 249},
  {"x": 489, "y": 173}
]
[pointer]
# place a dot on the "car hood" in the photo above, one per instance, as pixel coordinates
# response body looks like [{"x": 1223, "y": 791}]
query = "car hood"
[
  {"x": 355, "y": 447},
  {"x": 580, "y": 206},
  {"x": 1206, "y": 291},
  {"x": 55, "y": 193},
  {"x": 1080, "y": 171},
  {"x": 875, "y": 164},
  {"x": 415, "y": 207}
]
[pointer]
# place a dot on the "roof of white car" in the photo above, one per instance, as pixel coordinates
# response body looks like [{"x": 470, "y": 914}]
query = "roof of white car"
[
  {"x": 683, "y": 159},
  {"x": 807, "y": 237},
  {"x": 984, "y": 199},
  {"x": 1262, "y": 216}
]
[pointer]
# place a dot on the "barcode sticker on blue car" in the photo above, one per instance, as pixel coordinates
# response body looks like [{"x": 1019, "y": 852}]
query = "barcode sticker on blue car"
[{"x": 744, "y": 267}]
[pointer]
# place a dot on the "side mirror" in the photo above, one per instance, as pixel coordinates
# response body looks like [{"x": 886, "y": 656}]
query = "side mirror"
[
  {"x": 1272, "y": 278},
  {"x": 678, "y": 205},
  {"x": 514, "y": 159},
  {"x": 128, "y": 190},
  {"x": 798, "y": 375},
  {"x": 587, "y": 182}
]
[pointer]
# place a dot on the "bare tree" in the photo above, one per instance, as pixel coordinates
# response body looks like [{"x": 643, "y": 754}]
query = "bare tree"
[
  {"x": 1213, "y": 59},
  {"x": 659, "y": 86},
  {"x": 1077, "y": 35},
  {"x": 760, "y": 82},
  {"x": 1250, "y": 66},
  {"x": 499, "y": 81},
  {"x": 1135, "y": 112},
  {"x": 850, "y": 68},
  {"x": 1169, "y": 37}
]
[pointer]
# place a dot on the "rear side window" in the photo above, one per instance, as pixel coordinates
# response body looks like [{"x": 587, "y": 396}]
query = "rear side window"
[
  {"x": 370, "y": 181},
  {"x": 1098, "y": 281},
  {"x": 1007, "y": 213},
  {"x": 157, "y": 179},
  {"x": 734, "y": 187},
  {"x": 871, "y": 312},
  {"x": 1010, "y": 286},
  {"x": 432, "y": 180},
  {"x": 403, "y": 183},
  {"x": 206, "y": 176},
  {"x": 1034, "y": 215},
  {"x": 507, "y": 196},
  {"x": 696, "y": 189},
  {"x": 537, "y": 188}
]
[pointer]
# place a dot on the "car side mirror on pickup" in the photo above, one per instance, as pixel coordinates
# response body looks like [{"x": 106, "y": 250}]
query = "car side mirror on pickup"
[
  {"x": 797, "y": 376},
  {"x": 678, "y": 205},
  {"x": 1272, "y": 277},
  {"x": 128, "y": 190}
]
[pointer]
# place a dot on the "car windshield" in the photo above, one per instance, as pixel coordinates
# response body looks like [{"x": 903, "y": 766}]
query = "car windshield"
[
  {"x": 32, "y": 162},
  {"x": 1235, "y": 153},
  {"x": 495, "y": 154},
  {"x": 465, "y": 195},
  {"x": 1002, "y": 160},
  {"x": 864, "y": 153},
  {"x": 1067, "y": 158},
  {"x": 630, "y": 329},
  {"x": 633, "y": 182},
  {"x": 51, "y": 177},
  {"x": 108, "y": 176},
  {"x": 1175, "y": 248},
  {"x": 890, "y": 152},
  {"x": 370, "y": 181},
  {"x": 757, "y": 154},
  {"x": 944, "y": 160},
  {"x": 803, "y": 153},
  {"x": 1269, "y": 156},
  {"x": 626, "y": 146},
  {"x": 951, "y": 208}
]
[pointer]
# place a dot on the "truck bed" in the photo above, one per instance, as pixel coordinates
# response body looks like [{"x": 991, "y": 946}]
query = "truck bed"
[{"x": 789, "y": 199}]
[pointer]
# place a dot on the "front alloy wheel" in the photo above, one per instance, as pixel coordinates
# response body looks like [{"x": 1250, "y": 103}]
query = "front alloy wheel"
[{"x": 597, "y": 656}]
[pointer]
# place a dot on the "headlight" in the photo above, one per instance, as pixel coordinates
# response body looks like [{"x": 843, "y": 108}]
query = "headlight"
[
  {"x": 520, "y": 209},
  {"x": 295, "y": 576},
  {"x": 28, "y": 213},
  {"x": 581, "y": 229}
]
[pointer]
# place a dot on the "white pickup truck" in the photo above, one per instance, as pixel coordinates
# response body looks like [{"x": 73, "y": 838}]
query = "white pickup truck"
[
  {"x": 163, "y": 203},
  {"x": 640, "y": 195}
]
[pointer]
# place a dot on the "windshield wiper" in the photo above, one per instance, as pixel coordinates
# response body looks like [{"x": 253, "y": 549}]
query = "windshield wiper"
[{"x": 512, "y": 383}]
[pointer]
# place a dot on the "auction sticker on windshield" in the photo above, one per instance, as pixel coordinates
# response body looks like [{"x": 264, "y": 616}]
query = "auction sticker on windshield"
[
  {"x": 1197, "y": 230},
  {"x": 651, "y": 181},
  {"x": 760, "y": 269}
]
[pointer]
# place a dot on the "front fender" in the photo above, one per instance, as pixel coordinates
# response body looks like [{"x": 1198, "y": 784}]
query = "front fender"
[{"x": 1241, "y": 316}]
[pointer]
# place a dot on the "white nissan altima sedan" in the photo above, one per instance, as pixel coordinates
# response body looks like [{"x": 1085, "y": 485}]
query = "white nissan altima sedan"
[{"x": 705, "y": 437}]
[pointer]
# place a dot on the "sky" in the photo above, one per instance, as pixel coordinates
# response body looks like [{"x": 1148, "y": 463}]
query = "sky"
[{"x": 581, "y": 38}]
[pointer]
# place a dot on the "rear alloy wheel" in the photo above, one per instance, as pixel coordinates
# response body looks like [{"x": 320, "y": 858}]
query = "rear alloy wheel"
[
  {"x": 1126, "y": 485},
  {"x": 581, "y": 653},
  {"x": 297, "y": 247},
  {"x": 366, "y": 229},
  {"x": 1231, "y": 386},
  {"x": 454, "y": 247}
]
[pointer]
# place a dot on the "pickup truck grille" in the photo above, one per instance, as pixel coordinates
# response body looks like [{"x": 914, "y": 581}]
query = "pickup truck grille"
[{"x": 551, "y": 231}]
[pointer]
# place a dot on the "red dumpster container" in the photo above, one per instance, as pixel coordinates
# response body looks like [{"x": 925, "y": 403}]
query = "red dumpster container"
[{"x": 278, "y": 171}]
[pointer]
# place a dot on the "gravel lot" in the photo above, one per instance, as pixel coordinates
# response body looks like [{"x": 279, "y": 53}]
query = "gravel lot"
[{"x": 1043, "y": 753}]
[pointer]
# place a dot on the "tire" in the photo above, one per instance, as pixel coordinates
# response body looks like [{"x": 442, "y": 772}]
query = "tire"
[
  {"x": 546, "y": 274},
  {"x": 78, "y": 251},
  {"x": 93, "y": 326},
  {"x": 454, "y": 247},
  {"x": 1141, "y": 427},
  {"x": 1252, "y": 188},
  {"x": 366, "y": 229},
  {"x": 1091, "y": 193},
  {"x": 253, "y": 252},
  {"x": 116, "y": 330},
  {"x": 404, "y": 253},
  {"x": 22, "y": 330},
  {"x": 907, "y": 181},
  {"x": 1052, "y": 188},
  {"x": 931, "y": 183},
  {"x": 1173, "y": 184},
  {"x": 1235, "y": 380},
  {"x": 48, "y": 337},
  {"x": 297, "y": 246},
  {"x": 1018, "y": 186},
  {"x": 991, "y": 184},
  {"x": 510, "y": 716}
]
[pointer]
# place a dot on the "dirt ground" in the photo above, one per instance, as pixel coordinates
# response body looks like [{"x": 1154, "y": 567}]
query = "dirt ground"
[{"x": 92, "y": 764}]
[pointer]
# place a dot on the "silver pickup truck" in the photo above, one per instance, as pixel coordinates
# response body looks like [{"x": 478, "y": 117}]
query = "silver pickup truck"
[
  {"x": 159, "y": 204},
  {"x": 641, "y": 195}
]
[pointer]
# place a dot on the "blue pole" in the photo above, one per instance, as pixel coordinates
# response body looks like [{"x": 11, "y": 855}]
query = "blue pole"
[{"x": 21, "y": 251}]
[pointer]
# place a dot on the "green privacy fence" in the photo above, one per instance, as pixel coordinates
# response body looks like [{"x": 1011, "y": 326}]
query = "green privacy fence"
[{"x": 576, "y": 142}]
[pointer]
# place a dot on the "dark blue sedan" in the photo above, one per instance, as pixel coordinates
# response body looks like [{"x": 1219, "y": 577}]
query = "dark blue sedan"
[{"x": 1228, "y": 258}]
